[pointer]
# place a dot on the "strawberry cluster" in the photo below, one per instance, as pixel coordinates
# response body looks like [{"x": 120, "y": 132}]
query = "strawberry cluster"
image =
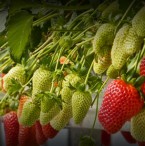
[{"x": 19, "y": 135}]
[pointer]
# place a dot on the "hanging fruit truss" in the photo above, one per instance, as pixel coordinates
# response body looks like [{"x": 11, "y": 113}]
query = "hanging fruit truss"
[{"x": 53, "y": 58}]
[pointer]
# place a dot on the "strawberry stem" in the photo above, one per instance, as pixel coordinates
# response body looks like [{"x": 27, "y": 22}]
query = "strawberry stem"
[
  {"x": 97, "y": 103},
  {"x": 4, "y": 45},
  {"x": 126, "y": 12},
  {"x": 89, "y": 71},
  {"x": 44, "y": 18},
  {"x": 100, "y": 90}
]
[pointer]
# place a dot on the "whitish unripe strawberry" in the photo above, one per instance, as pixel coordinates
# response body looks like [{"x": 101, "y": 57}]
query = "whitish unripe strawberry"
[
  {"x": 103, "y": 63},
  {"x": 118, "y": 53},
  {"x": 41, "y": 81},
  {"x": 112, "y": 72},
  {"x": 62, "y": 119},
  {"x": 18, "y": 73},
  {"x": 30, "y": 113},
  {"x": 46, "y": 117},
  {"x": 138, "y": 22},
  {"x": 81, "y": 102},
  {"x": 132, "y": 42},
  {"x": 112, "y": 9},
  {"x": 72, "y": 79},
  {"x": 119, "y": 39},
  {"x": 138, "y": 126},
  {"x": 103, "y": 37}
]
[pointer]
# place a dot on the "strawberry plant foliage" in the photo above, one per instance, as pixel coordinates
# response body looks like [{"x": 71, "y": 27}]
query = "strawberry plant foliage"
[
  {"x": 18, "y": 33},
  {"x": 64, "y": 52}
]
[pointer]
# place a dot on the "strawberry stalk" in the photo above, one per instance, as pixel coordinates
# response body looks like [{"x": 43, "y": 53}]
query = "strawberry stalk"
[
  {"x": 57, "y": 62},
  {"x": 44, "y": 18},
  {"x": 89, "y": 71},
  {"x": 101, "y": 88},
  {"x": 68, "y": 56},
  {"x": 45, "y": 43},
  {"x": 126, "y": 12}
]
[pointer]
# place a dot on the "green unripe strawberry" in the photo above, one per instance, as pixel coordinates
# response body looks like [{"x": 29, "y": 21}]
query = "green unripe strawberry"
[
  {"x": 65, "y": 42},
  {"x": 104, "y": 52},
  {"x": 46, "y": 117},
  {"x": 66, "y": 95},
  {"x": 112, "y": 72},
  {"x": 62, "y": 119},
  {"x": 138, "y": 22},
  {"x": 138, "y": 126},
  {"x": 132, "y": 42},
  {"x": 81, "y": 102},
  {"x": 103, "y": 37},
  {"x": 86, "y": 141},
  {"x": 30, "y": 114},
  {"x": 41, "y": 81},
  {"x": 18, "y": 73},
  {"x": 120, "y": 59},
  {"x": 72, "y": 79},
  {"x": 46, "y": 104},
  {"x": 113, "y": 8}
]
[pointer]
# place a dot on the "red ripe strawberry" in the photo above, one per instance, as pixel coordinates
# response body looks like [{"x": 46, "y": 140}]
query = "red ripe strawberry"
[
  {"x": 142, "y": 67},
  {"x": 22, "y": 100},
  {"x": 49, "y": 131},
  {"x": 105, "y": 138},
  {"x": 11, "y": 127},
  {"x": 127, "y": 136},
  {"x": 32, "y": 138},
  {"x": 24, "y": 134},
  {"x": 142, "y": 73},
  {"x": 143, "y": 88},
  {"x": 141, "y": 143},
  {"x": 40, "y": 137},
  {"x": 121, "y": 102},
  {"x": 27, "y": 136}
]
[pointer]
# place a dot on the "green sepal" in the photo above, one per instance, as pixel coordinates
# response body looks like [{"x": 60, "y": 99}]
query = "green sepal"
[
  {"x": 124, "y": 77},
  {"x": 139, "y": 81},
  {"x": 15, "y": 87}
]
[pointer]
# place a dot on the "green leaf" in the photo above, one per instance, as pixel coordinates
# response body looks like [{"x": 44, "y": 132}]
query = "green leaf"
[{"x": 19, "y": 29}]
